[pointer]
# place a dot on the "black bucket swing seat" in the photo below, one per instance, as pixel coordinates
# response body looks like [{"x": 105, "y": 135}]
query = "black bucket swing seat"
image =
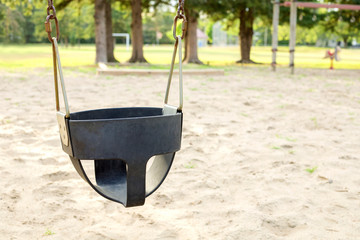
[{"x": 120, "y": 141}]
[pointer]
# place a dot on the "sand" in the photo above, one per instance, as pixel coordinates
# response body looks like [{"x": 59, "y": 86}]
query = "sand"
[{"x": 264, "y": 156}]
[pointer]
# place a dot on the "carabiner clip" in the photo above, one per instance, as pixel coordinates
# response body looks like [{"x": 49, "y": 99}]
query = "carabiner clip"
[
  {"x": 181, "y": 16},
  {"x": 48, "y": 27}
]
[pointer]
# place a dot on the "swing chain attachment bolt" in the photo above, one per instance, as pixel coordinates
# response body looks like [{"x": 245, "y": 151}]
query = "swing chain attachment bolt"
[
  {"x": 50, "y": 16},
  {"x": 180, "y": 15}
]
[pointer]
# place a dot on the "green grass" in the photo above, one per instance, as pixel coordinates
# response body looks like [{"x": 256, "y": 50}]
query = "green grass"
[
  {"x": 286, "y": 138},
  {"x": 190, "y": 165},
  {"x": 311, "y": 170},
  {"x": 48, "y": 232},
  {"x": 39, "y": 55},
  {"x": 314, "y": 120}
]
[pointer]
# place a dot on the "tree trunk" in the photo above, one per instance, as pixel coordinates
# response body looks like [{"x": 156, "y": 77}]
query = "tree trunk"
[
  {"x": 109, "y": 31},
  {"x": 66, "y": 41},
  {"x": 136, "y": 33},
  {"x": 246, "y": 33},
  {"x": 346, "y": 38},
  {"x": 191, "y": 50},
  {"x": 100, "y": 31}
]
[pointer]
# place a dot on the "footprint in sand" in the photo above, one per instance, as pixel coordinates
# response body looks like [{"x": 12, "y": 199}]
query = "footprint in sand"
[
  {"x": 162, "y": 200},
  {"x": 59, "y": 176},
  {"x": 281, "y": 226},
  {"x": 348, "y": 157},
  {"x": 168, "y": 234},
  {"x": 19, "y": 160},
  {"x": 48, "y": 161},
  {"x": 11, "y": 199}
]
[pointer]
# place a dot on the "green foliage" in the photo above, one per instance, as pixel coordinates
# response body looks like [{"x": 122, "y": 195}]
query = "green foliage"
[
  {"x": 24, "y": 21},
  {"x": 343, "y": 23},
  {"x": 161, "y": 25},
  {"x": 11, "y": 28},
  {"x": 121, "y": 19},
  {"x": 76, "y": 22},
  {"x": 262, "y": 31},
  {"x": 225, "y": 9},
  {"x": 306, "y": 17},
  {"x": 321, "y": 24},
  {"x": 25, "y": 6},
  {"x": 209, "y": 31}
]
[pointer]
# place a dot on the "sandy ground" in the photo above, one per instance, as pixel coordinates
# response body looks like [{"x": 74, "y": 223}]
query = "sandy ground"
[{"x": 264, "y": 156}]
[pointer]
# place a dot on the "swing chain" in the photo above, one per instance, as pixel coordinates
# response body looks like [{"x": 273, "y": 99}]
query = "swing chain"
[
  {"x": 51, "y": 7},
  {"x": 50, "y": 16},
  {"x": 180, "y": 14},
  {"x": 180, "y": 10}
]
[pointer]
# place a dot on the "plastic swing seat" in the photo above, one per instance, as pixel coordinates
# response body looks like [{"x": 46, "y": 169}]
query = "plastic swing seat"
[{"x": 121, "y": 141}]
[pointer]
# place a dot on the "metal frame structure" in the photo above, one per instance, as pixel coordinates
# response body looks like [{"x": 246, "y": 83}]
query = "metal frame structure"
[
  {"x": 293, "y": 4},
  {"x": 126, "y": 35}
]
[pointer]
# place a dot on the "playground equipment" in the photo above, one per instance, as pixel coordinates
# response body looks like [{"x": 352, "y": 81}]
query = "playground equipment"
[
  {"x": 333, "y": 55},
  {"x": 293, "y": 18},
  {"x": 121, "y": 140},
  {"x": 127, "y": 37}
]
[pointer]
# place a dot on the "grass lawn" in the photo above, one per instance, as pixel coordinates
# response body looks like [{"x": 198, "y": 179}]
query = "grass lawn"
[{"x": 39, "y": 55}]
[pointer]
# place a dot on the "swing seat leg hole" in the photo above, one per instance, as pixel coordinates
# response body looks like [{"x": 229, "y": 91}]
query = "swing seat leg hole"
[
  {"x": 115, "y": 180},
  {"x": 107, "y": 177}
]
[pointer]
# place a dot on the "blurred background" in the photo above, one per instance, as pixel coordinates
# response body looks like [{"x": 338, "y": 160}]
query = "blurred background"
[{"x": 215, "y": 36}]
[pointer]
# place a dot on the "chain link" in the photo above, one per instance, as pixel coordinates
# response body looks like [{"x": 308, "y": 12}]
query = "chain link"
[
  {"x": 180, "y": 11},
  {"x": 180, "y": 14},
  {"x": 51, "y": 8}
]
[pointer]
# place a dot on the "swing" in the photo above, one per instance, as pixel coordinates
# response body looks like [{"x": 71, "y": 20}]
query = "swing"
[{"x": 121, "y": 141}]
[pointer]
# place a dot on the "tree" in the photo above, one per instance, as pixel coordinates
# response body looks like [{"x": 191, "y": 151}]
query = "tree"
[
  {"x": 103, "y": 32},
  {"x": 103, "y": 29},
  {"x": 13, "y": 18},
  {"x": 109, "y": 30},
  {"x": 100, "y": 31},
  {"x": 191, "y": 50},
  {"x": 246, "y": 32},
  {"x": 11, "y": 22},
  {"x": 137, "y": 39},
  {"x": 193, "y": 9},
  {"x": 246, "y": 11},
  {"x": 136, "y": 32},
  {"x": 27, "y": 17},
  {"x": 137, "y": 7}
]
